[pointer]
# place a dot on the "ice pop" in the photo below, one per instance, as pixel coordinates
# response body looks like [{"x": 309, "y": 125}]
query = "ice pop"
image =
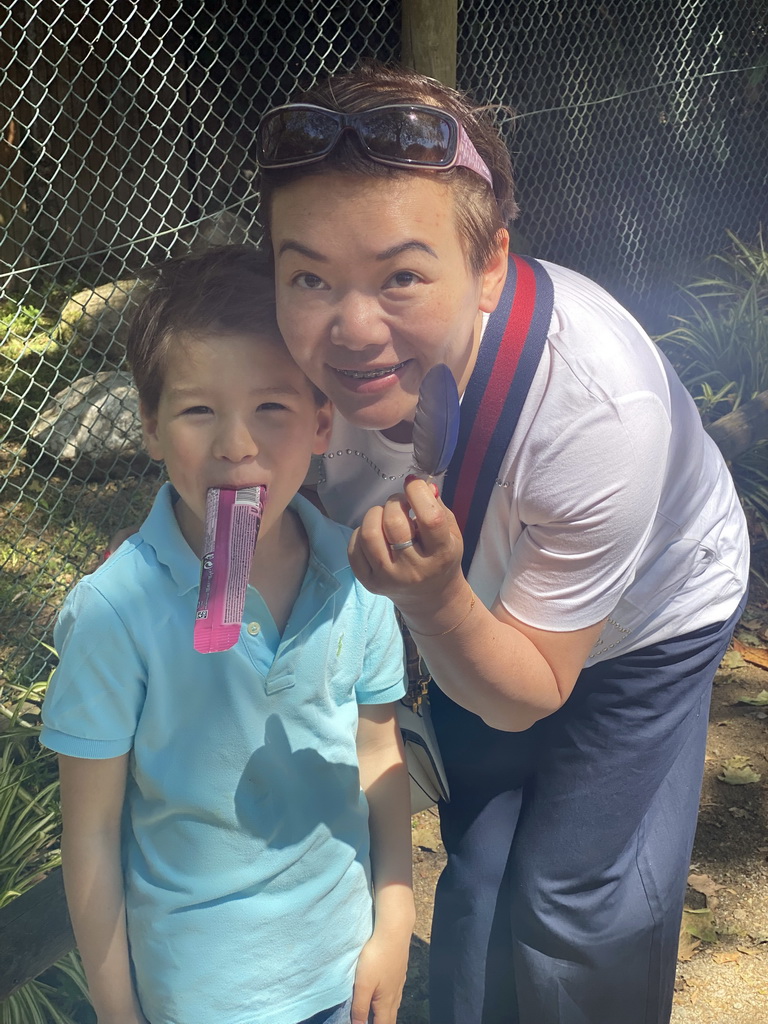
[{"x": 232, "y": 521}]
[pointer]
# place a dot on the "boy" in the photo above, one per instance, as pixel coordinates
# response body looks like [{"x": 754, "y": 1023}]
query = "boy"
[{"x": 241, "y": 891}]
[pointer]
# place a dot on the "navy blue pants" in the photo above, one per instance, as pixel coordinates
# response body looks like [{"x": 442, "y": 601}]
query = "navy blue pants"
[{"x": 569, "y": 845}]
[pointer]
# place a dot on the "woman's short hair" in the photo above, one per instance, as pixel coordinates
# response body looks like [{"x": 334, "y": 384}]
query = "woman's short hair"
[{"x": 480, "y": 213}]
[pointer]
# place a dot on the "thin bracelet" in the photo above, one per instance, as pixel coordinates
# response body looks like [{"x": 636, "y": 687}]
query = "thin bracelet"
[{"x": 446, "y": 631}]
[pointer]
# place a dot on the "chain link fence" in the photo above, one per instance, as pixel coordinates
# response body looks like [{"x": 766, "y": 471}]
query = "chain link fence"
[
  {"x": 641, "y": 133},
  {"x": 126, "y": 131}
]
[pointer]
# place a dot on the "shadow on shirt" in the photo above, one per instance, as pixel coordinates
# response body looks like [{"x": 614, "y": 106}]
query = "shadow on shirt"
[{"x": 284, "y": 794}]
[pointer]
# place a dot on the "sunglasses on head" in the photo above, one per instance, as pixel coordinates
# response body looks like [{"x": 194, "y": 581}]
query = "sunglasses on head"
[{"x": 398, "y": 134}]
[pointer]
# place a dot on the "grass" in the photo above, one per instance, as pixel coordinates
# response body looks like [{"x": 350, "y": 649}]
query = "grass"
[
  {"x": 54, "y": 530},
  {"x": 30, "y": 827}
]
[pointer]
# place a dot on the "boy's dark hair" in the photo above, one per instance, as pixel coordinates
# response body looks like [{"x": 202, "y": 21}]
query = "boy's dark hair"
[
  {"x": 225, "y": 290},
  {"x": 480, "y": 212}
]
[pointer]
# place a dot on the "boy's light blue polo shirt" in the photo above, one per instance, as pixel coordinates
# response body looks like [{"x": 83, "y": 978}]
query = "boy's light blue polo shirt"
[{"x": 246, "y": 850}]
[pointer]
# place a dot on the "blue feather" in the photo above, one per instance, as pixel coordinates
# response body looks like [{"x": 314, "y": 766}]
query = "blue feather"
[{"x": 436, "y": 424}]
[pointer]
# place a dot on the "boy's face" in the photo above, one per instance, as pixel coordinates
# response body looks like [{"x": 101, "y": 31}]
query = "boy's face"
[{"x": 234, "y": 411}]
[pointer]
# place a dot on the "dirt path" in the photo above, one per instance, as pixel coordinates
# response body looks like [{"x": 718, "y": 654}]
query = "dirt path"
[{"x": 722, "y": 975}]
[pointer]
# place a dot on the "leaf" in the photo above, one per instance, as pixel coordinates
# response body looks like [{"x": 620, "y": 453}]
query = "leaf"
[
  {"x": 700, "y": 924},
  {"x": 737, "y": 771},
  {"x": 737, "y": 761},
  {"x": 754, "y": 655},
  {"x": 726, "y": 958},
  {"x": 732, "y": 659},
  {"x": 751, "y": 626},
  {"x": 761, "y": 700},
  {"x": 687, "y": 945},
  {"x": 436, "y": 423},
  {"x": 706, "y": 886}
]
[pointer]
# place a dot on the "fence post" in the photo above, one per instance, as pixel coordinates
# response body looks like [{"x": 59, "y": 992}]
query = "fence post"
[
  {"x": 428, "y": 36},
  {"x": 35, "y": 932}
]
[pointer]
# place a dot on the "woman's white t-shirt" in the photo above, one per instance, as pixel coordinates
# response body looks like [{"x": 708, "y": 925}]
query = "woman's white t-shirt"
[{"x": 611, "y": 503}]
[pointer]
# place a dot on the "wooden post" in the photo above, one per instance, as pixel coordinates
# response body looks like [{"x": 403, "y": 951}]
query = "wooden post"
[
  {"x": 34, "y": 933},
  {"x": 428, "y": 37}
]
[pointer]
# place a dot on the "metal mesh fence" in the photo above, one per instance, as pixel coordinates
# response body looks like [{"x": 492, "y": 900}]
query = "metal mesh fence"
[
  {"x": 125, "y": 136},
  {"x": 127, "y": 131},
  {"x": 641, "y": 134}
]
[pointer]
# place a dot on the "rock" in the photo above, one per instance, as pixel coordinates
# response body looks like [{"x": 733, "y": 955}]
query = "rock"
[
  {"x": 93, "y": 428},
  {"x": 221, "y": 228},
  {"x": 97, "y": 319}
]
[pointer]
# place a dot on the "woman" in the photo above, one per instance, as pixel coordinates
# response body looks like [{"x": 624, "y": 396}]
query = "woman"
[{"x": 574, "y": 661}]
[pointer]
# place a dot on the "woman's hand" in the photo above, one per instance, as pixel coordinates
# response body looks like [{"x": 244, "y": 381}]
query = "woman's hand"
[
  {"x": 508, "y": 672},
  {"x": 428, "y": 571}
]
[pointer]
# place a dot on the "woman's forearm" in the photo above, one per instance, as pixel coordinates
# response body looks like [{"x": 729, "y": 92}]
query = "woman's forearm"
[{"x": 508, "y": 674}]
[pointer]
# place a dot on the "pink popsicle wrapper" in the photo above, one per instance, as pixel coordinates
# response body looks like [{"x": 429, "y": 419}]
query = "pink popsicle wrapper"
[{"x": 232, "y": 521}]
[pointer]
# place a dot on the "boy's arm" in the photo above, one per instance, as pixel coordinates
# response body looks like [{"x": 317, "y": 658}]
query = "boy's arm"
[
  {"x": 383, "y": 776},
  {"x": 92, "y": 794}
]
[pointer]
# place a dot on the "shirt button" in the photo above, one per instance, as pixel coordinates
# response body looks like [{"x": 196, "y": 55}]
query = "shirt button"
[{"x": 253, "y": 628}]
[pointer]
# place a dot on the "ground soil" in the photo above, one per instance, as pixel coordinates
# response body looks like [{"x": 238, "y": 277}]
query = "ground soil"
[{"x": 722, "y": 975}]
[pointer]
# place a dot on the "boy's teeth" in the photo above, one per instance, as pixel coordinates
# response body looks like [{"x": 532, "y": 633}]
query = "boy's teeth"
[{"x": 371, "y": 374}]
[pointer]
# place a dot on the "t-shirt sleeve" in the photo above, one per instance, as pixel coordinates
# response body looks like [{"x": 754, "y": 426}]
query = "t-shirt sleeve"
[
  {"x": 588, "y": 505},
  {"x": 94, "y": 699},
  {"x": 383, "y": 678}
]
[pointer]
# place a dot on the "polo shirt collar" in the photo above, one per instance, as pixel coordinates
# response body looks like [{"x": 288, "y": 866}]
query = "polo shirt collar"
[
  {"x": 161, "y": 531},
  {"x": 327, "y": 544},
  {"x": 327, "y": 540}
]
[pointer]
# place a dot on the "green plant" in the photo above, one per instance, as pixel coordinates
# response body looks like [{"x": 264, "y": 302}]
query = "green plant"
[
  {"x": 720, "y": 350},
  {"x": 30, "y": 827},
  {"x": 29, "y": 813},
  {"x": 18, "y": 322},
  {"x": 35, "y": 357},
  {"x": 58, "y": 996}
]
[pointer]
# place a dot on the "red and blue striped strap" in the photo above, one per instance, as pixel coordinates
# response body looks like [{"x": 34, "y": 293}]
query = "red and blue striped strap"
[{"x": 509, "y": 354}]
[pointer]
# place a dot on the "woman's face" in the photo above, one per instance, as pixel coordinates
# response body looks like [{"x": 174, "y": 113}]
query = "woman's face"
[{"x": 373, "y": 289}]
